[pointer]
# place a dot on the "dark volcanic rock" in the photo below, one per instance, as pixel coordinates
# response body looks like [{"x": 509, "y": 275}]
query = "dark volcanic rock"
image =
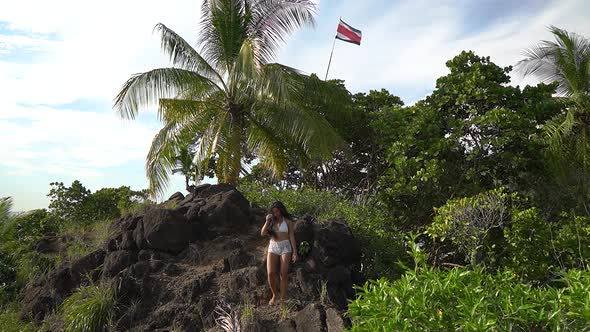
[
  {"x": 334, "y": 244},
  {"x": 177, "y": 196},
  {"x": 304, "y": 230},
  {"x": 311, "y": 318},
  {"x": 226, "y": 213},
  {"x": 51, "y": 243},
  {"x": 165, "y": 230},
  {"x": 117, "y": 261}
]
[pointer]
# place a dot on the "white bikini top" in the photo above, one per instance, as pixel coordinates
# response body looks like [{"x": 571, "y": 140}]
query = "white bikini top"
[{"x": 283, "y": 228}]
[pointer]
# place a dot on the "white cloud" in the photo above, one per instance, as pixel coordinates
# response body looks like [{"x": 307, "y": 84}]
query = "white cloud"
[
  {"x": 405, "y": 48},
  {"x": 69, "y": 142}
]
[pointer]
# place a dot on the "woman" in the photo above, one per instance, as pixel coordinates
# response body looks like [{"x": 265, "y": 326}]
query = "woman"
[{"x": 282, "y": 248}]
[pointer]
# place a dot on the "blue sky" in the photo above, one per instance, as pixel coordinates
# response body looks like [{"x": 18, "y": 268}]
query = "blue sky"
[{"x": 62, "y": 64}]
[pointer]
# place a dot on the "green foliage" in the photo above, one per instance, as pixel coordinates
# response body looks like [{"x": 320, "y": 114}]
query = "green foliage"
[
  {"x": 10, "y": 322},
  {"x": 428, "y": 299},
  {"x": 78, "y": 206},
  {"x": 5, "y": 209},
  {"x": 299, "y": 202},
  {"x": 466, "y": 222},
  {"x": 89, "y": 309},
  {"x": 530, "y": 251},
  {"x": 473, "y": 133},
  {"x": 72, "y": 203},
  {"x": 303, "y": 248}
]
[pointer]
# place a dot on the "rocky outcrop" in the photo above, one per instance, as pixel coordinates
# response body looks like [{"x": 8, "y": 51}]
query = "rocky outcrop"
[{"x": 172, "y": 266}]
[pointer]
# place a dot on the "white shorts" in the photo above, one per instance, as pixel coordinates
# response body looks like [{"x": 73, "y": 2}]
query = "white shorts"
[{"x": 280, "y": 248}]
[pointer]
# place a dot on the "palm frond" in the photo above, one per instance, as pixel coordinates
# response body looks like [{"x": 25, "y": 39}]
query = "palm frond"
[
  {"x": 168, "y": 142},
  {"x": 146, "y": 89},
  {"x": 564, "y": 60},
  {"x": 280, "y": 83},
  {"x": 5, "y": 208},
  {"x": 178, "y": 110},
  {"x": 222, "y": 31},
  {"x": 273, "y": 20},
  {"x": 304, "y": 128},
  {"x": 244, "y": 75},
  {"x": 183, "y": 55},
  {"x": 268, "y": 147}
]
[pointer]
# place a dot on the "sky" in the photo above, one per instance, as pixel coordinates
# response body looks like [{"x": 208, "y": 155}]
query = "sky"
[{"x": 62, "y": 62}]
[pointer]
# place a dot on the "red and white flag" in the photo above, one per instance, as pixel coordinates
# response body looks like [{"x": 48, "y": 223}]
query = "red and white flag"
[{"x": 348, "y": 34}]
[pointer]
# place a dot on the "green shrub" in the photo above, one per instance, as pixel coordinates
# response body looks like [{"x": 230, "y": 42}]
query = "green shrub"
[
  {"x": 10, "y": 322},
  {"x": 461, "y": 299},
  {"x": 299, "y": 202},
  {"x": 530, "y": 251},
  {"x": 89, "y": 309},
  {"x": 572, "y": 241},
  {"x": 468, "y": 222}
]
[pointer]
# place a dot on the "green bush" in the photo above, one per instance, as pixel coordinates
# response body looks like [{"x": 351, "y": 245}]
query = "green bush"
[
  {"x": 530, "y": 252},
  {"x": 89, "y": 309},
  {"x": 461, "y": 299},
  {"x": 469, "y": 222},
  {"x": 9, "y": 321},
  {"x": 299, "y": 202}
]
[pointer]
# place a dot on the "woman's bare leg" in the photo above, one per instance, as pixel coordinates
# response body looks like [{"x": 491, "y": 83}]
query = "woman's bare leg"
[
  {"x": 272, "y": 260},
  {"x": 285, "y": 261}
]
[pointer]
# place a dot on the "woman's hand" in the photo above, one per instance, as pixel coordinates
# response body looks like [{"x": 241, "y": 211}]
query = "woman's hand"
[{"x": 294, "y": 257}]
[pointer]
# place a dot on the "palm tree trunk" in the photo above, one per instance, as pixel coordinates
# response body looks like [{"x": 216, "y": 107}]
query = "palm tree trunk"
[{"x": 234, "y": 163}]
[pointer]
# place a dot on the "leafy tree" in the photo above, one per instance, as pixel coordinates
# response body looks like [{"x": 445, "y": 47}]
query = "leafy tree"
[
  {"x": 72, "y": 203},
  {"x": 473, "y": 133},
  {"x": 79, "y": 206},
  {"x": 228, "y": 95},
  {"x": 567, "y": 62}
]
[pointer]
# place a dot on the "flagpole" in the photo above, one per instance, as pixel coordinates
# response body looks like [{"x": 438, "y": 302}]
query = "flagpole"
[
  {"x": 330, "y": 62},
  {"x": 331, "y": 53}
]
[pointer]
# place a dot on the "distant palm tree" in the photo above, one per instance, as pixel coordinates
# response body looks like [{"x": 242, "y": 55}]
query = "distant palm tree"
[
  {"x": 566, "y": 61},
  {"x": 228, "y": 95},
  {"x": 185, "y": 165}
]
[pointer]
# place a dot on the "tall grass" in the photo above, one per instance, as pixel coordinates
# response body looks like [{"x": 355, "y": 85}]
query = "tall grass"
[
  {"x": 9, "y": 321},
  {"x": 89, "y": 309}
]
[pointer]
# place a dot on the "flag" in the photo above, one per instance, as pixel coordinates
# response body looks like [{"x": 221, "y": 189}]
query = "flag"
[{"x": 348, "y": 34}]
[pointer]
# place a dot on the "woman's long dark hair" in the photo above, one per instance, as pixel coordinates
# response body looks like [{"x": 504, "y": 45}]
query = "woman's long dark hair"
[{"x": 279, "y": 205}]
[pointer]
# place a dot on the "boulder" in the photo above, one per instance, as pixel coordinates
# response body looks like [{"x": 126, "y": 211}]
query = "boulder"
[
  {"x": 311, "y": 319},
  {"x": 334, "y": 321},
  {"x": 51, "y": 244},
  {"x": 226, "y": 213},
  {"x": 164, "y": 230},
  {"x": 334, "y": 244},
  {"x": 117, "y": 261},
  {"x": 177, "y": 196}
]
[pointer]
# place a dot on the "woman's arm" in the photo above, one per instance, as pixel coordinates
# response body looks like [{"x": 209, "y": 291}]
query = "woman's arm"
[
  {"x": 264, "y": 229},
  {"x": 292, "y": 238}
]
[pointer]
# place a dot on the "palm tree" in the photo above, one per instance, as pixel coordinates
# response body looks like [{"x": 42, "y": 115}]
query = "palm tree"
[
  {"x": 566, "y": 61},
  {"x": 227, "y": 95},
  {"x": 185, "y": 165}
]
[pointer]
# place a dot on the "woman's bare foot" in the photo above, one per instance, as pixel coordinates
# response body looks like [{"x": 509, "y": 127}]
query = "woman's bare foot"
[{"x": 272, "y": 301}]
